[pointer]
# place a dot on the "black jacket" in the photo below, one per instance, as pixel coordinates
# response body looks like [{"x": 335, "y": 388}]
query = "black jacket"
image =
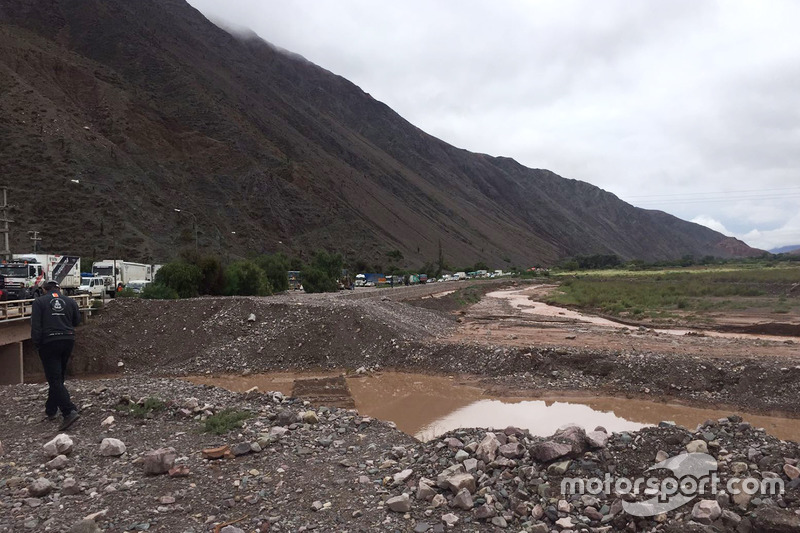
[{"x": 54, "y": 317}]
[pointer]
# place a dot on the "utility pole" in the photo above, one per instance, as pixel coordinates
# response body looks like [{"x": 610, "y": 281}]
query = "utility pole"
[
  {"x": 36, "y": 240},
  {"x": 6, "y": 251}
]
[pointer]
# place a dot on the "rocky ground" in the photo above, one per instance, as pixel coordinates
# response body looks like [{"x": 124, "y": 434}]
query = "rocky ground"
[
  {"x": 292, "y": 467},
  {"x": 140, "y": 458}
]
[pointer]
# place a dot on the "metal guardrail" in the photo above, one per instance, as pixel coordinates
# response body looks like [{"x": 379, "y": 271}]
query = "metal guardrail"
[{"x": 21, "y": 309}]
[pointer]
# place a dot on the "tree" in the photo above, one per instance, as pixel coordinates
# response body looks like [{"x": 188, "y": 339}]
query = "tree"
[
  {"x": 245, "y": 278},
  {"x": 184, "y": 278},
  {"x": 317, "y": 280},
  {"x": 276, "y": 267}
]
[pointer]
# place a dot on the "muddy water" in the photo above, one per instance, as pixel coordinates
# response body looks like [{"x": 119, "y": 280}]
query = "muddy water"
[
  {"x": 520, "y": 301},
  {"x": 426, "y": 406}
]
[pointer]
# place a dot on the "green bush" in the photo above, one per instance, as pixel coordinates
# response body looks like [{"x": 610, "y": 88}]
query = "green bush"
[
  {"x": 141, "y": 411},
  {"x": 183, "y": 277},
  {"x": 330, "y": 264},
  {"x": 212, "y": 279},
  {"x": 226, "y": 420},
  {"x": 126, "y": 293},
  {"x": 317, "y": 280},
  {"x": 245, "y": 278},
  {"x": 276, "y": 267},
  {"x": 156, "y": 291}
]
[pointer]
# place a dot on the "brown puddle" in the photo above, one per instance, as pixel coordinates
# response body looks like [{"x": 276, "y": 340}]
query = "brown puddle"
[{"x": 426, "y": 406}]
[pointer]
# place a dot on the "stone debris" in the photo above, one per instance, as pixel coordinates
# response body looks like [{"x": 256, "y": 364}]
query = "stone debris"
[
  {"x": 60, "y": 445},
  {"x": 112, "y": 447},
  {"x": 159, "y": 461}
]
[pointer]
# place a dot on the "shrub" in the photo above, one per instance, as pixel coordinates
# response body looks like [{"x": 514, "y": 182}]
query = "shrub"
[
  {"x": 212, "y": 277},
  {"x": 142, "y": 410},
  {"x": 316, "y": 280},
  {"x": 156, "y": 291},
  {"x": 183, "y": 277},
  {"x": 276, "y": 268},
  {"x": 126, "y": 293},
  {"x": 226, "y": 420},
  {"x": 245, "y": 278}
]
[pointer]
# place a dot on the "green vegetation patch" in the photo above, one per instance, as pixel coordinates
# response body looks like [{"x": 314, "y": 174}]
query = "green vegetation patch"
[
  {"x": 226, "y": 420},
  {"x": 150, "y": 405}
]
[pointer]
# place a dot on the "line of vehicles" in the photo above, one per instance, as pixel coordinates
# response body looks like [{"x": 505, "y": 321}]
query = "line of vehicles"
[
  {"x": 24, "y": 276},
  {"x": 374, "y": 279}
]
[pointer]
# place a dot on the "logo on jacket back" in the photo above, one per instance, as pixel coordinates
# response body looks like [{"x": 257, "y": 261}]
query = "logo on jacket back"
[{"x": 57, "y": 305}]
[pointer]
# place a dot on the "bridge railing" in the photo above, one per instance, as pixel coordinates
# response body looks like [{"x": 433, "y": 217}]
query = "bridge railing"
[{"x": 21, "y": 309}]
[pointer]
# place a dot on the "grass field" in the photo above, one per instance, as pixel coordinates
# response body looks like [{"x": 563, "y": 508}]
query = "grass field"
[{"x": 667, "y": 294}]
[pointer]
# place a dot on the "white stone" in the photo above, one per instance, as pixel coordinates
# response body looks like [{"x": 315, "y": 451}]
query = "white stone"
[
  {"x": 112, "y": 447},
  {"x": 60, "y": 445}
]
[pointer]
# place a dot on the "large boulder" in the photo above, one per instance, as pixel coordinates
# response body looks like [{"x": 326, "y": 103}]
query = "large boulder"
[
  {"x": 60, "y": 445},
  {"x": 549, "y": 450},
  {"x": 487, "y": 449},
  {"x": 112, "y": 447},
  {"x": 159, "y": 461}
]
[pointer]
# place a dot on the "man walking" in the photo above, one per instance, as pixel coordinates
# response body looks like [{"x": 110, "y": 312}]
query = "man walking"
[{"x": 53, "y": 321}]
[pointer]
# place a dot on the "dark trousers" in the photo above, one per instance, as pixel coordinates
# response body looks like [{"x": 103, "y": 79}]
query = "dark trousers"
[{"x": 55, "y": 356}]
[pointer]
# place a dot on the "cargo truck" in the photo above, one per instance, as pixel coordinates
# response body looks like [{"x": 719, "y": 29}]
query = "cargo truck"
[
  {"x": 122, "y": 272},
  {"x": 24, "y": 276}
]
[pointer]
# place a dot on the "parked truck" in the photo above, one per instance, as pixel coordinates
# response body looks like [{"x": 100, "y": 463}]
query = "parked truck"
[
  {"x": 122, "y": 272},
  {"x": 24, "y": 276}
]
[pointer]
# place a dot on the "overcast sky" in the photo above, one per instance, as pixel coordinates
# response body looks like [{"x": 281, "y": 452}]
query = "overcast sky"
[{"x": 691, "y": 107}]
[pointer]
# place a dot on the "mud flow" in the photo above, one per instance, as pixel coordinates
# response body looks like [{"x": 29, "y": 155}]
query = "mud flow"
[{"x": 427, "y": 406}]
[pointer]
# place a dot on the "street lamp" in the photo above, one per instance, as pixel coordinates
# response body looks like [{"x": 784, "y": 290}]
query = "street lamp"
[{"x": 195, "y": 223}]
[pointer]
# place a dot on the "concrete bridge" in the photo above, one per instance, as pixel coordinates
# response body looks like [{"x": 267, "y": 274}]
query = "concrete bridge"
[{"x": 16, "y": 347}]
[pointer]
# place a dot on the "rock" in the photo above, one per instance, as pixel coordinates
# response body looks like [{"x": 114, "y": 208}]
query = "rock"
[
  {"x": 484, "y": 512},
  {"x": 178, "y": 471},
  {"x": 450, "y": 519},
  {"x": 286, "y": 417},
  {"x": 541, "y": 527},
  {"x": 159, "y": 461},
  {"x": 241, "y": 448},
  {"x": 461, "y": 456},
  {"x": 499, "y": 521},
  {"x": 460, "y": 481},
  {"x": 277, "y": 432},
  {"x": 69, "y": 487},
  {"x": 597, "y": 439},
  {"x": 112, "y": 448},
  {"x": 537, "y": 512},
  {"x": 575, "y": 435},
  {"x": 85, "y": 526},
  {"x": 425, "y": 492},
  {"x": 421, "y": 527},
  {"x": 471, "y": 465},
  {"x": 792, "y": 471},
  {"x": 107, "y": 422},
  {"x": 512, "y": 450},
  {"x": 60, "y": 445},
  {"x": 559, "y": 469},
  {"x": 739, "y": 496},
  {"x": 463, "y": 500},
  {"x": 231, "y": 529},
  {"x": 487, "y": 449},
  {"x": 310, "y": 417},
  {"x": 738, "y": 468},
  {"x": 251, "y": 317},
  {"x": 40, "y": 487},
  {"x": 706, "y": 511},
  {"x": 217, "y": 453},
  {"x": 565, "y": 523},
  {"x": 697, "y": 446},
  {"x": 402, "y": 477},
  {"x": 59, "y": 462},
  {"x": 1, "y": 449},
  {"x": 399, "y": 504},
  {"x": 549, "y": 450},
  {"x": 661, "y": 456},
  {"x": 771, "y": 519},
  {"x": 438, "y": 501}
]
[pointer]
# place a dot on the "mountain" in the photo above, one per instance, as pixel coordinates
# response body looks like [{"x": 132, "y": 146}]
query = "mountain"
[
  {"x": 791, "y": 249},
  {"x": 115, "y": 113}
]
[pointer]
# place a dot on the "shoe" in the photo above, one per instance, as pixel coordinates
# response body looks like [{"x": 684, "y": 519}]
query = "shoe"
[
  {"x": 69, "y": 419},
  {"x": 50, "y": 418}
]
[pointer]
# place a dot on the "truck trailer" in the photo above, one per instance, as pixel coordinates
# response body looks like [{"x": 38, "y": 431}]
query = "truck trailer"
[{"x": 122, "y": 272}]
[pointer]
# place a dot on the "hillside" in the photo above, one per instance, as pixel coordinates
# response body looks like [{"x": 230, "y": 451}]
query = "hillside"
[{"x": 115, "y": 113}]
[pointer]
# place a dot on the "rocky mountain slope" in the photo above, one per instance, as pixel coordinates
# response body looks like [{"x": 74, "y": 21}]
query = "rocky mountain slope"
[{"x": 115, "y": 113}]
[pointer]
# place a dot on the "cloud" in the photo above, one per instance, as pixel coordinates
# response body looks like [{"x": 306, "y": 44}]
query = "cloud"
[{"x": 714, "y": 224}]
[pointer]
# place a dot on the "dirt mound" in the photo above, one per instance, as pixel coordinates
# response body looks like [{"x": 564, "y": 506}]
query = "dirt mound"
[{"x": 199, "y": 334}]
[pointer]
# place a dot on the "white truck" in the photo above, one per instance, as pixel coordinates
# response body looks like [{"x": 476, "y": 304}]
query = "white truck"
[
  {"x": 24, "y": 275},
  {"x": 122, "y": 272}
]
